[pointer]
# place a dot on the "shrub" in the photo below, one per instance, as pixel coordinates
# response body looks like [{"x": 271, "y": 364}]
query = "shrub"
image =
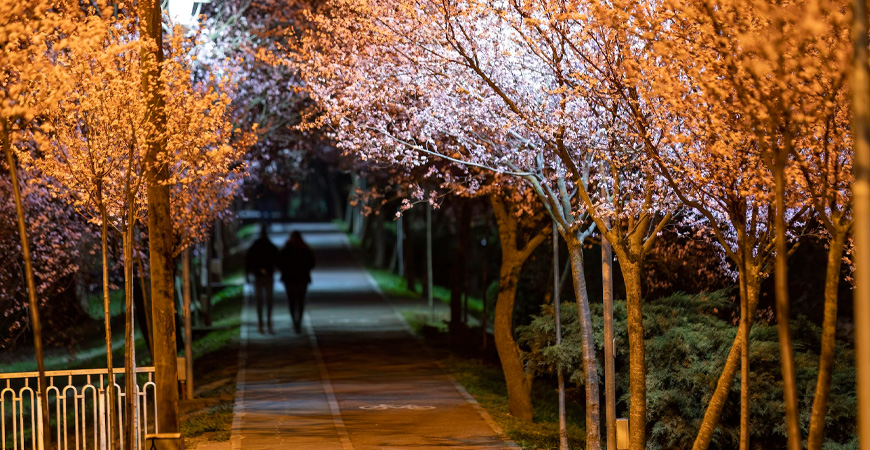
[{"x": 686, "y": 346}]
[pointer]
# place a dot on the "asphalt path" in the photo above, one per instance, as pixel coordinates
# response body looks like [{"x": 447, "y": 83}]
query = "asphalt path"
[{"x": 355, "y": 379}]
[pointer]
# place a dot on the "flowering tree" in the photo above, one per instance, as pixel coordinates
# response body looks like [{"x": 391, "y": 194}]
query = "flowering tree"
[
  {"x": 494, "y": 87},
  {"x": 29, "y": 29},
  {"x": 98, "y": 146},
  {"x": 93, "y": 153},
  {"x": 206, "y": 146},
  {"x": 748, "y": 86},
  {"x": 238, "y": 40}
]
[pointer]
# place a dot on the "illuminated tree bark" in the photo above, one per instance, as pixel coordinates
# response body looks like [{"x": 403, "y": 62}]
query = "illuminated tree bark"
[
  {"x": 160, "y": 234},
  {"x": 519, "y": 383},
  {"x": 28, "y": 274},
  {"x": 861, "y": 208}
]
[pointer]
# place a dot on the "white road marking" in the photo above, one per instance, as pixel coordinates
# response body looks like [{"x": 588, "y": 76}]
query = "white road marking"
[{"x": 383, "y": 406}]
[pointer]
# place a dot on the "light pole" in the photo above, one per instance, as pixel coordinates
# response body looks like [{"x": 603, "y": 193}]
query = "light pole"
[{"x": 184, "y": 12}]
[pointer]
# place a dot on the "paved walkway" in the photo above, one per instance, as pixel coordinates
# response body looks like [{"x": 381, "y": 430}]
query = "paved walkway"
[{"x": 355, "y": 379}]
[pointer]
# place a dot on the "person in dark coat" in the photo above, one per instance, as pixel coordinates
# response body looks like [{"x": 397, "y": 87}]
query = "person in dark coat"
[
  {"x": 260, "y": 265},
  {"x": 296, "y": 261}
]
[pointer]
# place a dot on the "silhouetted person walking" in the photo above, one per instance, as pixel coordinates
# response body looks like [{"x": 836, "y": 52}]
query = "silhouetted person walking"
[
  {"x": 260, "y": 263},
  {"x": 295, "y": 262}
]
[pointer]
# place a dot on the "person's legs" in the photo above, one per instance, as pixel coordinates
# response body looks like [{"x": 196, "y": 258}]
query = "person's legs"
[
  {"x": 269, "y": 285},
  {"x": 298, "y": 305},
  {"x": 293, "y": 304},
  {"x": 300, "y": 302},
  {"x": 258, "y": 294}
]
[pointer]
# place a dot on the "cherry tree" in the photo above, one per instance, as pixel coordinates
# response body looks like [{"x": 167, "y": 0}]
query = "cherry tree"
[
  {"x": 97, "y": 150},
  {"x": 206, "y": 149},
  {"x": 238, "y": 41},
  {"x": 510, "y": 102},
  {"x": 28, "y": 30},
  {"x": 747, "y": 86}
]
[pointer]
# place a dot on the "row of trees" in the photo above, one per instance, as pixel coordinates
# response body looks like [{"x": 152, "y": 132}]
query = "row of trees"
[
  {"x": 617, "y": 116},
  {"x": 106, "y": 120}
]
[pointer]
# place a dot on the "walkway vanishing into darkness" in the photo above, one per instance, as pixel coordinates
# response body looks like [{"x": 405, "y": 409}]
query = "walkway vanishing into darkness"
[{"x": 355, "y": 379}]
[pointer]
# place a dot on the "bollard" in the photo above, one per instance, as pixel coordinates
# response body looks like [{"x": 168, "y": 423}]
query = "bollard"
[
  {"x": 621, "y": 434},
  {"x": 164, "y": 441}
]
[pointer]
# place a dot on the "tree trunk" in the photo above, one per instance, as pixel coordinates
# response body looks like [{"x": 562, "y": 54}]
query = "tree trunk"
[
  {"x": 484, "y": 314},
  {"x": 458, "y": 272},
  {"x": 519, "y": 384},
  {"x": 732, "y": 363},
  {"x": 28, "y": 274},
  {"x": 205, "y": 305},
  {"x": 380, "y": 241},
  {"x": 786, "y": 351},
  {"x": 743, "y": 329},
  {"x": 334, "y": 197},
  {"x": 160, "y": 231},
  {"x": 829, "y": 328},
  {"x": 609, "y": 362},
  {"x": 631, "y": 273},
  {"x": 557, "y": 310},
  {"x": 143, "y": 305},
  {"x": 107, "y": 312},
  {"x": 590, "y": 368},
  {"x": 410, "y": 257},
  {"x": 129, "y": 339},
  {"x": 188, "y": 332},
  {"x": 429, "y": 281},
  {"x": 861, "y": 212}
]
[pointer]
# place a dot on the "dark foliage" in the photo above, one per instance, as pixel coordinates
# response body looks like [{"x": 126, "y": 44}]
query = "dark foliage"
[{"x": 686, "y": 346}]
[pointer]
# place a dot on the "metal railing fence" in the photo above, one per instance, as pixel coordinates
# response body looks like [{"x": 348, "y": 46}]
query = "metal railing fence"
[{"x": 78, "y": 410}]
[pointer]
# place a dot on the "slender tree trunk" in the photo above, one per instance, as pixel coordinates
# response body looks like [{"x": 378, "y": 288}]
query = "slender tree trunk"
[
  {"x": 590, "y": 367},
  {"x": 557, "y": 309},
  {"x": 609, "y": 362},
  {"x": 861, "y": 212},
  {"x": 35, "y": 324},
  {"x": 159, "y": 223},
  {"x": 334, "y": 197},
  {"x": 484, "y": 314},
  {"x": 458, "y": 271},
  {"x": 743, "y": 330},
  {"x": 107, "y": 312},
  {"x": 786, "y": 351},
  {"x": 429, "y": 282},
  {"x": 143, "y": 305},
  {"x": 732, "y": 362},
  {"x": 400, "y": 246},
  {"x": 380, "y": 241},
  {"x": 130, "y": 339},
  {"x": 829, "y": 329},
  {"x": 188, "y": 332},
  {"x": 410, "y": 257},
  {"x": 205, "y": 305},
  {"x": 631, "y": 273}
]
